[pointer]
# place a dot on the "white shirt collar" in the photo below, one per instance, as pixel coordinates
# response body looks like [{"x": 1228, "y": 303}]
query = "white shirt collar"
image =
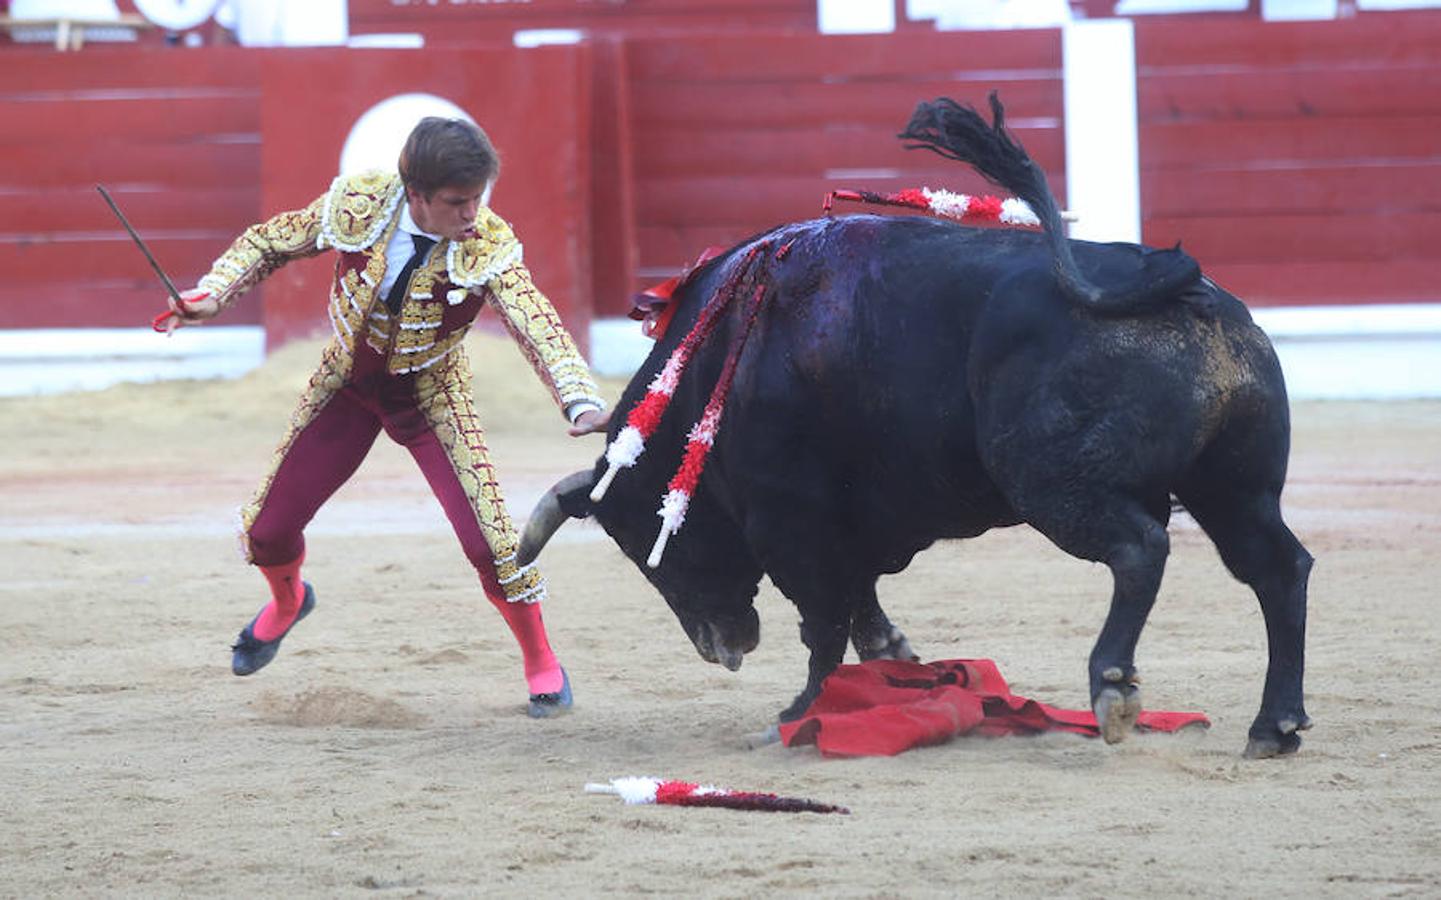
[{"x": 407, "y": 223}]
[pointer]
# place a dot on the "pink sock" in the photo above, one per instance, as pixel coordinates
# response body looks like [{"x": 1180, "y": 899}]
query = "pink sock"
[
  {"x": 286, "y": 592},
  {"x": 542, "y": 669}
]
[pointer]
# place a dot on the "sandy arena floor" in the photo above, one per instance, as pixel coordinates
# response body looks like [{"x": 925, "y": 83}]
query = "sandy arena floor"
[{"x": 386, "y": 752}]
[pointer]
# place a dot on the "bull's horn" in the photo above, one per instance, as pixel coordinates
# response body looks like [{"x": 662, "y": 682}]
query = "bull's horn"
[{"x": 548, "y": 516}]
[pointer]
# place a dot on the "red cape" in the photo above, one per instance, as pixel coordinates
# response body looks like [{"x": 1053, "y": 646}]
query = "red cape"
[{"x": 885, "y": 706}]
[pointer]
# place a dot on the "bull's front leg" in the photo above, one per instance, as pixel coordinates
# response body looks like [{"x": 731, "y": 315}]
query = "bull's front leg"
[
  {"x": 873, "y": 635},
  {"x": 824, "y": 634},
  {"x": 817, "y": 575}
]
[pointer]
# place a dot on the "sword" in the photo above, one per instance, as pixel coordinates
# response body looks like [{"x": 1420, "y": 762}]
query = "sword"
[{"x": 157, "y": 323}]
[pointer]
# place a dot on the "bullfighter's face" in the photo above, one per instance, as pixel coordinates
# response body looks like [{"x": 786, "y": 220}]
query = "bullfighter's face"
[{"x": 449, "y": 212}]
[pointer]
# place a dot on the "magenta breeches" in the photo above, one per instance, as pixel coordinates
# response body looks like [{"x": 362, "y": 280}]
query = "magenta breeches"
[{"x": 333, "y": 434}]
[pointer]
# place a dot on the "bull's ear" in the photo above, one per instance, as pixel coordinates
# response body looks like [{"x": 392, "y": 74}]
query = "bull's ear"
[{"x": 567, "y": 498}]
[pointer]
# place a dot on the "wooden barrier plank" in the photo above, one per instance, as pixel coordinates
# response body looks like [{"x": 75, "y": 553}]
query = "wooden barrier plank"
[
  {"x": 1319, "y": 282},
  {"x": 961, "y": 55},
  {"x": 132, "y": 163},
  {"x": 798, "y": 152},
  {"x": 107, "y": 256},
  {"x": 75, "y": 92},
  {"x": 1248, "y": 142},
  {"x": 127, "y": 303},
  {"x": 177, "y": 118},
  {"x": 762, "y": 200},
  {"x": 1358, "y": 238},
  {"x": 1338, "y": 189},
  {"x": 83, "y": 209},
  {"x": 1215, "y": 44},
  {"x": 117, "y": 69},
  {"x": 751, "y": 202},
  {"x": 667, "y": 249},
  {"x": 1344, "y": 90},
  {"x": 719, "y": 107}
]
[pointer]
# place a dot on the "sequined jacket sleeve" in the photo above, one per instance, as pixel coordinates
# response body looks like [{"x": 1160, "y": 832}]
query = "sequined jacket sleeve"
[
  {"x": 537, "y": 329},
  {"x": 262, "y": 249}
]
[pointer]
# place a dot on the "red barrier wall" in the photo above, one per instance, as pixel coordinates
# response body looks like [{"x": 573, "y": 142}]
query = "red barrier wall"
[
  {"x": 1299, "y": 161},
  {"x": 735, "y": 134},
  {"x": 175, "y": 137},
  {"x": 195, "y": 145}
]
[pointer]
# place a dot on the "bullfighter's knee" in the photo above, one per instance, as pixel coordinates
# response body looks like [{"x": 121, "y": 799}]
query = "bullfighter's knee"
[{"x": 269, "y": 545}]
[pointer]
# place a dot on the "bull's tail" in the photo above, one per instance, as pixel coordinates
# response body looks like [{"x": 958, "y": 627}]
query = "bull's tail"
[{"x": 959, "y": 132}]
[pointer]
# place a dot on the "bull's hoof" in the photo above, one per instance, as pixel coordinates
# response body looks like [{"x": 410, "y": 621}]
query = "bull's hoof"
[
  {"x": 1268, "y": 748},
  {"x": 798, "y": 706},
  {"x": 1281, "y": 739},
  {"x": 1116, "y": 713},
  {"x": 891, "y": 644},
  {"x": 759, "y": 739}
]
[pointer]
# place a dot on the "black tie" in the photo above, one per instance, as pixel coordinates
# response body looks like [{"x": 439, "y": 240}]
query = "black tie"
[{"x": 402, "y": 283}]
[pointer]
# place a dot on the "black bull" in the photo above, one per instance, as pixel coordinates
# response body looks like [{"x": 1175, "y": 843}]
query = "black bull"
[{"x": 912, "y": 379}]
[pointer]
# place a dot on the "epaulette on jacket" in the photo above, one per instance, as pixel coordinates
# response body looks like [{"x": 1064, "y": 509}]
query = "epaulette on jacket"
[
  {"x": 358, "y": 208},
  {"x": 473, "y": 263}
]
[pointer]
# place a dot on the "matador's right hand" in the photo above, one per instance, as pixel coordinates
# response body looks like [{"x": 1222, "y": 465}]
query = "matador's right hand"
[{"x": 195, "y": 306}]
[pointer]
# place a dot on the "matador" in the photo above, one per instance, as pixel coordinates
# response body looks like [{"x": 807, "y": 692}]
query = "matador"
[{"x": 418, "y": 254}]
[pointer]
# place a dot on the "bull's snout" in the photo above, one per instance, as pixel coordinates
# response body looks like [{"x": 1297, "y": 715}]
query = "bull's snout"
[{"x": 726, "y": 643}]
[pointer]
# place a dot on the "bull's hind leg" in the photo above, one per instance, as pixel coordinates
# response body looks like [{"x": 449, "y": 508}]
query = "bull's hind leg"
[
  {"x": 1131, "y": 540},
  {"x": 1137, "y": 559},
  {"x": 1261, "y": 551}
]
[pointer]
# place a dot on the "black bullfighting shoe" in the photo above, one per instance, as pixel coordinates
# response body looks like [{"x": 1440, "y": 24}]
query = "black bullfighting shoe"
[
  {"x": 252, "y": 654},
  {"x": 543, "y": 706}
]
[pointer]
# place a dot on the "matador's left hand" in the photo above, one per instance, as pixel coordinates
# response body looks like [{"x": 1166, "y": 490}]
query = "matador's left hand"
[{"x": 591, "y": 420}]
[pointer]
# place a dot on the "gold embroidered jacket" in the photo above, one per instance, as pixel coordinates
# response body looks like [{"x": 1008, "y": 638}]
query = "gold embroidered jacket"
[{"x": 357, "y": 217}]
